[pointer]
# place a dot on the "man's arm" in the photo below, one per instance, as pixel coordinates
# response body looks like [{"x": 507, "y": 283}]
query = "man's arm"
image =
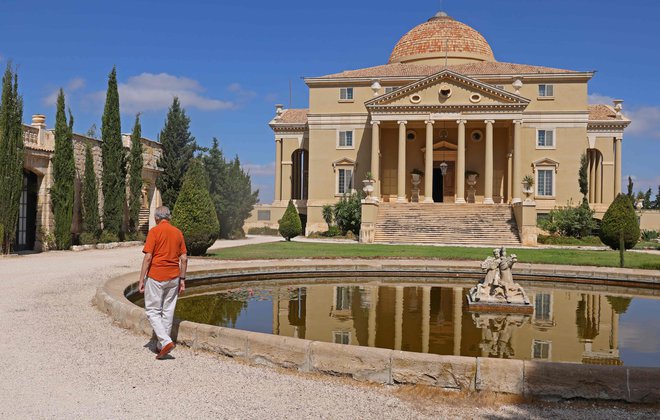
[
  {"x": 146, "y": 262},
  {"x": 183, "y": 267}
]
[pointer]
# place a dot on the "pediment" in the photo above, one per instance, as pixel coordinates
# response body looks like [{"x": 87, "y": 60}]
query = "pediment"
[
  {"x": 442, "y": 146},
  {"x": 545, "y": 162},
  {"x": 343, "y": 162},
  {"x": 448, "y": 89}
]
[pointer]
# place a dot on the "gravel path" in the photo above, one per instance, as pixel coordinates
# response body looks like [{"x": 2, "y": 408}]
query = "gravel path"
[{"x": 62, "y": 358}]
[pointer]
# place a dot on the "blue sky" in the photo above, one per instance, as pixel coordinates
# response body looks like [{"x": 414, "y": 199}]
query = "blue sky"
[{"x": 230, "y": 62}]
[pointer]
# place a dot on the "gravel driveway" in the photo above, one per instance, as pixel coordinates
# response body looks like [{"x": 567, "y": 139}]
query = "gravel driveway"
[{"x": 62, "y": 358}]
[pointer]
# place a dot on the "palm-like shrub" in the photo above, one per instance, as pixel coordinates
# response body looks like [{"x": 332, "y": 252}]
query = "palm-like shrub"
[
  {"x": 348, "y": 213},
  {"x": 620, "y": 217},
  {"x": 290, "y": 224},
  {"x": 194, "y": 212}
]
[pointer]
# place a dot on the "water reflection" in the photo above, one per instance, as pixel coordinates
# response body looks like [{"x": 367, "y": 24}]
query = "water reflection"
[{"x": 567, "y": 326}]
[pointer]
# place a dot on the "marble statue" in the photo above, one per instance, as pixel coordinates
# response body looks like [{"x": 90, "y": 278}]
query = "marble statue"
[{"x": 498, "y": 286}]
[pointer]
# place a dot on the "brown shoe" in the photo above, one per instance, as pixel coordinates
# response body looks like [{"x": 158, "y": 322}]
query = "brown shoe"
[{"x": 166, "y": 350}]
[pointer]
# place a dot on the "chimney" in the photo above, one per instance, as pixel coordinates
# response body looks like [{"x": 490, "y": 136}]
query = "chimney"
[
  {"x": 39, "y": 121},
  {"x": 279, "y": 109}
]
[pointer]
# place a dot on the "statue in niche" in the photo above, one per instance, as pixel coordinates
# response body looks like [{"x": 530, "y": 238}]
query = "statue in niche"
[{"x": 497, "y": 286}]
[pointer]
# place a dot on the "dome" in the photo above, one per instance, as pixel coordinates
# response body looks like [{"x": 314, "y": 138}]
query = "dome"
[{"x": 426, "y": 42}]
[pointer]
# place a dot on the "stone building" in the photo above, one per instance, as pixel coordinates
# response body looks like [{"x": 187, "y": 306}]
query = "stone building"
[
  {"x": 448, "y": 133},
  {"x": 36, "y": 222}
]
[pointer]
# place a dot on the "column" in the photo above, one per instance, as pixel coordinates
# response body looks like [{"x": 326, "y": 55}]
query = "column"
[
  {"x": 509, "y": 173},
  {"x": 617, "y": 165},
  {"x": 401, "y": 167},
  {"x": 517, "y": 162},
  {"x": 460, "y": 164},
  {"x": 426, "y": 317},
  {"x": 457, "y": 319},
  {"x": 373, "y": 305},
  {"x": 278, "y": 169},
  {"x": 398, "y": 318},
  {"x": 599, "y": 177},
  {"x": 488, "y": 180},
  {"x": 287, "y": 169},
  {"x": 592, "y": 175},
  {"x": 428, "y": 163},
  {"x": 375, "y": 156}
]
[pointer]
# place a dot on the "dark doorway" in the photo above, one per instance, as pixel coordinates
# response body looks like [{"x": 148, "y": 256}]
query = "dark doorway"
[
  {"x": 27, "y": 213},
  {"x": 437, "y": 185}
]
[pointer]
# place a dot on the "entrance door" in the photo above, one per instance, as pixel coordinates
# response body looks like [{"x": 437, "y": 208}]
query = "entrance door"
[
  {"x": 437, "y": 186},
  {"x": 27, "y": 213}
]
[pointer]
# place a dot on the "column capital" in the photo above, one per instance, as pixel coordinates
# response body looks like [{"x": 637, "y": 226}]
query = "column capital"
[
  {"x": 375, "y": 122},
  {"x": 461, "y": 122},
  {"x": 429, "y": 122},
  {"x": 402, "y": 122},
  {"x": 517, "y": 121},
  {"x": 489, "y": 121},
  {"x": 278, "y": 140},
  {"x": 618, "y": 137}
]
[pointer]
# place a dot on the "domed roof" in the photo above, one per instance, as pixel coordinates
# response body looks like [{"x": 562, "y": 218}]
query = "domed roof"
[{"x": 427, "y": 42}]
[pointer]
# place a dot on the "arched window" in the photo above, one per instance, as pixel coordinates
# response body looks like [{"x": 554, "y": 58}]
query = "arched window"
[{"x": 299, "y": 174}]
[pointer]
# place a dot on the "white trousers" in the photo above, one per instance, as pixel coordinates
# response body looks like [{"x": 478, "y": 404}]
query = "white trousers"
[{"x": 159, "y": 303}]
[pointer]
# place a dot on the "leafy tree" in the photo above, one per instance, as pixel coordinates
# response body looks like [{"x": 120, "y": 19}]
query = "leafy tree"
[
  {"x": 178, "y": 149},
  {"x": 630, "y": 188},
  {"x": 290, "y": 224},
  {"x": 620, "y": 219},
  {"x": 114, "y": 160},
  {"x": 619, "y": 303},
  {"x": 657, "y": 200},
  {"x": 92, "y": 132},
  {"x": 231, "y": 190},
  {"x": 135, "y": 163},
  {"x": 648, "y": 204},
  {"x": 90, "y": 196},
  {"x": 348, "y": 213},
  {"x": 583, "y": 177},
  {"x": 194, "y": 212},
  {"x": 577, "y": 222},
  {"x": 64, "y": 172},
  {"x": 11, "y": 157}
]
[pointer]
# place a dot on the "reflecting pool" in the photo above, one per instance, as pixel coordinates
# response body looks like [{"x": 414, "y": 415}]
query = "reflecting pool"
[{"x": 567, "y": 325}]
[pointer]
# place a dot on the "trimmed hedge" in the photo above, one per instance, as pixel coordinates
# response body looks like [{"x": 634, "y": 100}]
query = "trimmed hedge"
[
  {"x": 620, "y": 216},
  {"x": 290, "y": 224}
]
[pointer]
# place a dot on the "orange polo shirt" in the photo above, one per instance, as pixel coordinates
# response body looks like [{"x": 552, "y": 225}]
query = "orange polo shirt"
[{"x": 165, "y": 243}]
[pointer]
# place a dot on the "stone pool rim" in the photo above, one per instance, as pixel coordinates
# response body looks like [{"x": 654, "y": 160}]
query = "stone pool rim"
[{"x": 464, "y": 373}]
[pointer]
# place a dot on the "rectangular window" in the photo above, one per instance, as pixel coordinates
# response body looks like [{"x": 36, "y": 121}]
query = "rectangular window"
[
  {"x": 345, "y": 139},
  {"x": 345, "y": 181},
  {"x": 540, "y": 349},
  {"x": 263, "y": 215},
  {"x": 544, "y": 182},
  {"x": 545, "y": 138},
  {"x": 389, "y": 89},
  {"x": 542, "y": 307},
  {"x": 342, "y": 298},
  {"x": 342, "y": 337},
  {"x": 346, "y": 94},
  {"x": 546, "y": 90}
]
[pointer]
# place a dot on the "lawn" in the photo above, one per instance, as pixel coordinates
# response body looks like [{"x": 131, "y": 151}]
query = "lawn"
[{"x": 288, "y": 250}]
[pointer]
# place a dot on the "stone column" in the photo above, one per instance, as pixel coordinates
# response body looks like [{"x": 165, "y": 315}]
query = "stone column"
[
  {"x": 599, "y": 178},
  {"x": 373, "y": 305},
  {"x": 426, "y": 317},
  {"x": 375, "y": 156},
  {"x": 278, "y": 169},
  {"x": 457, "y": 319},
  {"x": 428, "y": 163},
  {"x": 617, "y": 165},
  {"x": 509, "y": 173},
  {"x": 401, "y": 167},
  {"x": 398, "y": 318},
  {"x": 488, "y": 179},
  {"x": 517, "y": 162},
  {"x": 286, "y": 190},
  {"x": 460, "y": 164}
]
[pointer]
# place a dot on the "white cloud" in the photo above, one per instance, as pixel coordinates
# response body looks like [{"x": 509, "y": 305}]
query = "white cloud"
[
  {"x": 597, "y": 98},
  {"x": 243, "y": 95},
  {"x": 74, "y": 84},
  {"x": 645, "y": 121},
  {"x": 256, "y": 169},
  {"x": 148, "y": 92}
]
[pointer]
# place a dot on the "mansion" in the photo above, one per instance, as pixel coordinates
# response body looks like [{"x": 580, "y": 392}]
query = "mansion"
[{"x": 444, "y": 127}]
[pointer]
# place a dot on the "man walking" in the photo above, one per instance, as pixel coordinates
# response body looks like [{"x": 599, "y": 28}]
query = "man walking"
[{"x": 163, "y": 277}]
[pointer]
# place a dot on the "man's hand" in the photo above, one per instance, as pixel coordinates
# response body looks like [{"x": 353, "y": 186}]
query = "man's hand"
[
  {"x": 182, "y": 286},
  {"x": 141, "y": 285}
]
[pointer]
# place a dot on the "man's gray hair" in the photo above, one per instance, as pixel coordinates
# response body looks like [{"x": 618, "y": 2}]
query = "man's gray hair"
[{"x": 163, "y": 213}]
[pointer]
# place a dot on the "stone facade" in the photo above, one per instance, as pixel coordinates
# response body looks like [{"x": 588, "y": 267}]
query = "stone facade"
[{"x": 39, "y": 144}]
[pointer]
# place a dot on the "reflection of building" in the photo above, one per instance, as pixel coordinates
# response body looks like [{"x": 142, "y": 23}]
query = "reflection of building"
[
  {"x": 443, "y": 98},
  {"x": 565, "y": 326},
  {"x": 36, "y": 218}
]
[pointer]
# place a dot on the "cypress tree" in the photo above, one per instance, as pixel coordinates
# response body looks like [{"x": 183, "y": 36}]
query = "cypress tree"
[
  {"x": 114, "y": 160},
  {"x": 648, "y": 204},
  {"x": 178, "y": 148},
  {"x": 583, "y": 178},
  {"x": 657, "y": 200},
  {"x": 194, "y": 212},
  {"x": 11, "y": 157},
  {"x": 135, "y": 176},
  {"x": 620, "y": 224},
  {"x": 290, "y": 224},
  {"x": 64, "y": 172},
  {"x": 91, "y": 218},
  {"x": 630, "y": 189}
]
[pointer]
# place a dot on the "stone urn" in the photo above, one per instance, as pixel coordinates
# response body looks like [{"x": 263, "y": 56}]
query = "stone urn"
[
  {"x": 416, "y": 179},
  {"x": 368, "y": 187},
  {"x": 471, "y": 181},
  {"x": 528, "y": 186}
]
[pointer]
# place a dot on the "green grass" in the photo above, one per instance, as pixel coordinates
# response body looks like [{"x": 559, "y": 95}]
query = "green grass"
[
  {"x": 647, "y": 245},
  {"x": 289, "y": 250}
]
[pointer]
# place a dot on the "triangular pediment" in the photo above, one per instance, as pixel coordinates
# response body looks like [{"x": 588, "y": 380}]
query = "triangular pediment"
[
  {"x": 442, "y": 146},
  {"x": 448, "y": 89},
  {"x": 545, "y": 162},
  {"x": 344, "y": 162}
]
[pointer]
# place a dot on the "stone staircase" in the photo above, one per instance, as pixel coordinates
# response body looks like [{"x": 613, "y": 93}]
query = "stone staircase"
[
  {"x": 464, "y": 224},
  {"x": 143, "y": 221}
]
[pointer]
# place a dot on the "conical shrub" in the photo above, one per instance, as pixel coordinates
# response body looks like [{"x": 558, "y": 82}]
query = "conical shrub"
[
  {"x": 620, "y": 216},
  {"x": 194, "y": 212},
  {"x": 290, "y": 224}
]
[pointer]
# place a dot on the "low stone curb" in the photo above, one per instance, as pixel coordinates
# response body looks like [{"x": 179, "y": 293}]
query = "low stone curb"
[
  {"x": 109, "y": 245},
  {"x": 529, "y": 378}
]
